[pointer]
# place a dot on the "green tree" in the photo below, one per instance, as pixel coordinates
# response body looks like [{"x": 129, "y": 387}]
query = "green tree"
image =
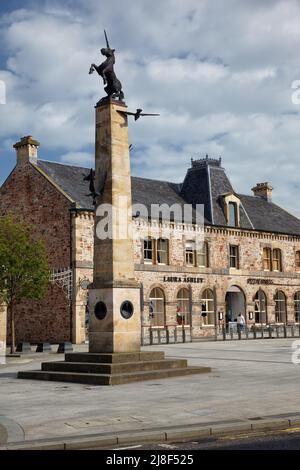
[{"x": 24, "y": 269}]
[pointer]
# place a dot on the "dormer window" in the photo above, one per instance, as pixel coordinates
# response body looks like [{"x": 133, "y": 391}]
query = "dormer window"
[
  {"x": 231, "y": 205},
  {"x": 232, "y": 222}
]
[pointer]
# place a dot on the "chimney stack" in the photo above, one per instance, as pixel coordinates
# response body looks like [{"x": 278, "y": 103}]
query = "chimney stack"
[
  {"x": 27, "y": 150},
  {"x": 263, "y": 190}
]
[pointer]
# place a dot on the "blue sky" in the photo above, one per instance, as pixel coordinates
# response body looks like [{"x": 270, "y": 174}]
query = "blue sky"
[{"x": 219, "y": 73}]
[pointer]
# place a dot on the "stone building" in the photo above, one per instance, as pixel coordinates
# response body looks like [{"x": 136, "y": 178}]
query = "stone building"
[{"x": 248, "y": 261}]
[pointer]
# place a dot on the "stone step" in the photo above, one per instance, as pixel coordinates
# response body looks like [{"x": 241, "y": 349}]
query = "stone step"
[
  {"x": 106, "y": 379},
  {"x": 115, "y": 357},
  {"x": 116, "y": 368}
]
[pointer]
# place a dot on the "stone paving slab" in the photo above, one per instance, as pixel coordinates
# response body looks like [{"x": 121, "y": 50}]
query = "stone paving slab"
[{"x": 250, "y": 381}]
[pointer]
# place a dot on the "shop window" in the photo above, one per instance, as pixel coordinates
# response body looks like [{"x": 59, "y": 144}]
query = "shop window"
[
  {"x": 260, "y": 307},
  {"x": 183, "y": 307},
  {"x": 297, "y": 306},
  {"x": 157, "y": 307},
  {"x": 207, "y": 307},
  {"x": 280, "y": 307}
]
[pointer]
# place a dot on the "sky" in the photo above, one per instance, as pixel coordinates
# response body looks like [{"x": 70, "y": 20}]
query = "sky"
[{"x": 220, "y": 74}]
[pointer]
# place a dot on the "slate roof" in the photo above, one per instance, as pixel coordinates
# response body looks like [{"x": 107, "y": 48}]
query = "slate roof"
[{"x": 205, "y": 183}]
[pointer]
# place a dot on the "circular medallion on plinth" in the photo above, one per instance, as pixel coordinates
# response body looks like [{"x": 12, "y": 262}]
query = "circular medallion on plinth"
[
  {"x": 100, "y": 310},
  {"x": 126, "y": 309}
]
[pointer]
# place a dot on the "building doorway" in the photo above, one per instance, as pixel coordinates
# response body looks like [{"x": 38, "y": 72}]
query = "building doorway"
[{"x": 235, "y": 303}]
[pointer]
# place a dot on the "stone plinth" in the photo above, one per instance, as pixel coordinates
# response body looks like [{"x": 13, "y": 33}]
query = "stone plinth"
[{"x": 112, "y": 369}]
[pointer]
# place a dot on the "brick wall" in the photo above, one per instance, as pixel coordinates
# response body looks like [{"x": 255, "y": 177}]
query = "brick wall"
[{"x": 31, "y": 198}]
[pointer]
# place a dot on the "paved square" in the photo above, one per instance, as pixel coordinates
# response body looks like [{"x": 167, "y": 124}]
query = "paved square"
[{"x": 250, "y": 379}]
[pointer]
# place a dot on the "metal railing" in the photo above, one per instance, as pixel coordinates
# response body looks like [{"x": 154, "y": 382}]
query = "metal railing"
[
  {"x": 258, "y": 331},
  {"x": 166, "y": 334}
]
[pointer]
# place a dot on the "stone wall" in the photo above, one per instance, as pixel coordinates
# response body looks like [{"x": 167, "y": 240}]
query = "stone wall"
[
  {"x": 249, "y": 278},
  {"x": 82, "y": 262},
  {"x": 30, "y": 198}
]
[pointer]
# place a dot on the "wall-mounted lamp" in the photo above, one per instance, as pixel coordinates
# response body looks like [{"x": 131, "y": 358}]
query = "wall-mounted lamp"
[
  {"x": 221, "y": 316},
  {"x": 84, "y": 283},
  {"x": 250, "y": 315}
]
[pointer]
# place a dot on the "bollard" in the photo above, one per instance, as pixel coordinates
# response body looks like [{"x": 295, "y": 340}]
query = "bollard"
[
  {"x": 284, "y": 331},
  {"x": 167, "y": 335},
  {"x": 224, "y": 332},
  {"x": 254, "y": 332},
  {"x": 270, "y": 331},
  {"x": 239, "y": 332},
  {"x": 151, "y": 335},
  {"x": 158, "y": 337},
  {"x": 23, "y": 347},
  {"x": 277, "y": 331},
  {"x": 292, "y": 331},
  {"x": 246, "y": 332},
  {"x": 183, "y": 334},
  {"x": 262, "y": 332}
]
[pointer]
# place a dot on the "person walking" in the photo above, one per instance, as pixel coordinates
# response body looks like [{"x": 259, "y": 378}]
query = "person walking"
[{"x": 241, "y": 322}]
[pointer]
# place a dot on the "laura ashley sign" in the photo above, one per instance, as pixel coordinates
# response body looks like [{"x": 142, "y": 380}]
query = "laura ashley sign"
[{"x": 191, "y": 280}]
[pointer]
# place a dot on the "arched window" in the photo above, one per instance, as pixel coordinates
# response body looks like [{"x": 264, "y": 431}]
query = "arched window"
[
  {"x": 277, "y": 264},
  {"x": 297, "y": 306},
  {"x": 260, "y": 307},
  {"x": 297, "y": 260},
  {"x": 202, "y": 255},
  {"x": 190, "y": 253},
  {"x": 157, "y": 307},
  {"x": 267, "y": 259},
  {"x": 207, "y": 307},
  {"x": 183, "y": 307},
  {"x": 280, "y": 307},
  {"x": 162, "y": 249}
]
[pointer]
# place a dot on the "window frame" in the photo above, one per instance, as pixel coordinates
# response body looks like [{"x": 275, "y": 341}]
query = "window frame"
[
  {"x": 278, "y": 303},
  {"x": 232, "y": 204},
  {"x": 164, "y": 251},
  {"x": 205, "y": 300},
  {"x": 152, "y": 250},
  {"x": 297, "y": 307},
  {"x": 277, "y": 260},
  {"x": 189, "y": 253},
  {"x": 297, "y": 261},
  {"x": 158, "y": 315},
  {"x": 267, "y": 258},
  {"x": 236, "y": 257},
  {"x": 258, "y": 311},
  {"x": 204, "y": 254},
  {"x": 184, "y": 304}
]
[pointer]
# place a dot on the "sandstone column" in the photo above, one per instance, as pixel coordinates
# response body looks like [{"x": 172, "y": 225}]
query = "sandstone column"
[{"x": 114, "y": 297}]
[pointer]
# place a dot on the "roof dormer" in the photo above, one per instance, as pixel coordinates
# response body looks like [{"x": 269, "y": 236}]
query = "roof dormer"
[{"x": 231, "y": 206}]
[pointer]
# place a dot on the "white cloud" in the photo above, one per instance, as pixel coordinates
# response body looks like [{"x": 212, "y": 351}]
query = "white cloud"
[
  {"x": 219, "y": 73},
  {"x": 78, "y": 158}
]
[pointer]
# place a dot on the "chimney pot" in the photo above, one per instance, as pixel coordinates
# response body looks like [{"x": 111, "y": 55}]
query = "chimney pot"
[
  {"x": 27, "y": 150},
  {"x": 263, "y": 190}
]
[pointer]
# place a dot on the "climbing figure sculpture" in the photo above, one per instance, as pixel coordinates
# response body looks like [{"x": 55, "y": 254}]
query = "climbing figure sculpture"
[{"x": 113, "y": 86}]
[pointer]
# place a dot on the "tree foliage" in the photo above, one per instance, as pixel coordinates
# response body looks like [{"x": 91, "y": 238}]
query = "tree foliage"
[{"x": 24, "y": 269}]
